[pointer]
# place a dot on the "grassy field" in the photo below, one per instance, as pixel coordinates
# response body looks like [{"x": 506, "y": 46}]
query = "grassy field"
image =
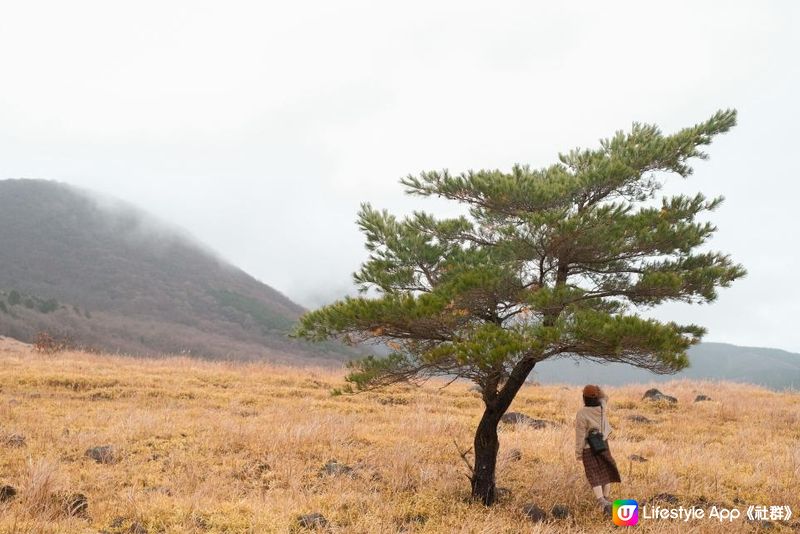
[{"x": 222, "y": 447}]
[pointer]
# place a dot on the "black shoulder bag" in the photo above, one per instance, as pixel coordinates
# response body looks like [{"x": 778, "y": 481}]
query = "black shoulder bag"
[{"x": 595, "y": 438}]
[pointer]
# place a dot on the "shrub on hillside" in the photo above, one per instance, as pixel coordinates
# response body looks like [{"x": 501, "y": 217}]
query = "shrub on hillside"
[{"x": 49, "y": 344}]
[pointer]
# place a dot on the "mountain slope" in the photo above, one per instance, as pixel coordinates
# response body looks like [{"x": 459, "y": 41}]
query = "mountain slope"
[
  {"x": 110, "y": 277},
  {"x": 773, "y": 368}
]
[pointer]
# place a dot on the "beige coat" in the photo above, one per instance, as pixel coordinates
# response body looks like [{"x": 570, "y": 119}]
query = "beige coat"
[{"x": 586, "y": 419}]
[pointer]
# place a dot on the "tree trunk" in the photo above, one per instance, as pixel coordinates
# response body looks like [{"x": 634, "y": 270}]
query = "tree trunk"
[
  {"x": 486, "y": 442},
  {"x": 486, "y": 447}
]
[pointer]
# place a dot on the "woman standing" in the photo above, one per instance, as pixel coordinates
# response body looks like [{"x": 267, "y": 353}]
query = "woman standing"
[{"x": 600, "y": 467}]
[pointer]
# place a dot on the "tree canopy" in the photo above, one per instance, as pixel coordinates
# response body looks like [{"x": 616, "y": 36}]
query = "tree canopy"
[{"x": 548, "y": 262}]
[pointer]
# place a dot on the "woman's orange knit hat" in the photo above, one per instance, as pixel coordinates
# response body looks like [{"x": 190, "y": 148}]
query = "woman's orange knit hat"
[{"x": 591, "y": 391}]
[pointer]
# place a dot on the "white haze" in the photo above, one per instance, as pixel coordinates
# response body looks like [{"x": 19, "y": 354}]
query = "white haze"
[{"x": 260, "y": 127}]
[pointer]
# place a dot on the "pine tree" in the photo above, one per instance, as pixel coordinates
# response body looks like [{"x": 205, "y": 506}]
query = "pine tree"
[{"x": 549, "y": 262}]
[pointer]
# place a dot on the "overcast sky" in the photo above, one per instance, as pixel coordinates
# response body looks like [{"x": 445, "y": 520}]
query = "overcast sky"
[{"x": 259, "y": 127}]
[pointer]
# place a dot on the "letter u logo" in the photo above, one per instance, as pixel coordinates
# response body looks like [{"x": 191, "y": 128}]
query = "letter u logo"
[{"x": 625, "y": 512}]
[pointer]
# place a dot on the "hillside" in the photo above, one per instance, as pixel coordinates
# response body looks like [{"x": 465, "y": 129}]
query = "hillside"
[
  {"x": 109, "y": 277},
  {"x": 211, "y": 447}
]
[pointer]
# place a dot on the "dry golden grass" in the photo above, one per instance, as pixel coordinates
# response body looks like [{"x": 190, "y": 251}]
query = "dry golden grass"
[{"x": 220, "y": 447}]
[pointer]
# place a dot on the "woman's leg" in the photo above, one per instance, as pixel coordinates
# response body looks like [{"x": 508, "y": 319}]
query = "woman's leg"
[
  {"x": 601, "y": 500},
  {"x": 606, "y": 491}
]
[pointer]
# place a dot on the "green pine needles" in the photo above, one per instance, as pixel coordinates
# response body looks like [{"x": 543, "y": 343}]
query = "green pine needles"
[{"x": 549, "y": 262}]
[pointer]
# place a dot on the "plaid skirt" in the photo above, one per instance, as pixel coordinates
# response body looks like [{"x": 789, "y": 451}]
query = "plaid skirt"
[{"x": 600, "y": 468}]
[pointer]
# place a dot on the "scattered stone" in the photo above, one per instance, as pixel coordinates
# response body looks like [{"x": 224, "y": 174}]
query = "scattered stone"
[
  {"x": 103, "y": 454},
  {"x": 261, "y": 467},
  {"x": 665, "y": 497},
  {"x": 7, "y": 493},
  {"x": 762, "y": 523},
  {"x": 314, "y": 520},
  {"x": 534, "y": 513},
  {"x": 701, "y": 398},
  {"x": 391, "y": 400},
  {"x": 516, "y": 418},
  {"x": 76, "y": 504},
  {"x": 636, "y": 418},
  {"x": 637, "y": 458},
  {"x": 137, "y": 528},
  {"x": 513, "y": 455},
  {"x": 334, "y": 468},
  {"x": 15, "y": 440},
  {"x": 201, "y": 522},
  {"x": 655, "y": 395},
  {"x": 560, "y": 511},
  {"x": 502, "y": 493},
  {"x": 651, "y": 393}
]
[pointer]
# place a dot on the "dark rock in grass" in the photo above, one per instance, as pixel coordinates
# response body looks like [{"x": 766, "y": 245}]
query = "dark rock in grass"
[
  {"x": 516, "y": 418},
  {"x": 636, "y": 418},
  {"x": 513, "y": 455},
  {"x": 560, "y": 511},
  {"x": 534, "y": 513},
  {"x": 655, "y": 395},
  {"x": 637, "y": 458},
  {"x": 15, "y": 440},
  {"x": 701, "y": 398},
  {"x": 664, "y": 498},
  {"x": 103, "y": 454},
  {"x": 314, "y": 520},
  {"x": 334, "y": 468},
  {"x": 7, "y": 493},
  {"x": 76, "y": 504}
]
